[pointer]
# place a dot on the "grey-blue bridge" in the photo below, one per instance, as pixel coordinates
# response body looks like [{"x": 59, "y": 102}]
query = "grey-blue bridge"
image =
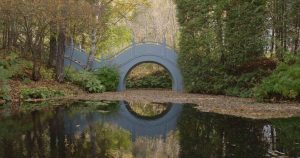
[{"x": 129, "y": 58}]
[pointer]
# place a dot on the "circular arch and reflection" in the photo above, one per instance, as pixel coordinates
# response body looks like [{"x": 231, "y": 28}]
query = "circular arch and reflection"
[{"x": 151, "y": 111}]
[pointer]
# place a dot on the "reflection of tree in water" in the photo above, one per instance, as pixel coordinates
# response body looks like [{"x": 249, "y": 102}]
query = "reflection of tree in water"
[
  {"x": 43, "y": 135},
  {"x": 212, "y": 135},
  {"x": 148, "y": 109},
  {"x": 22, "y": 135},
  {"x": 98, "y": 140},
  {"x": 157, "y": 147},
  {"x": 101, "y": 140},
  {"x": 287, "y": 136},
  {"x": 84, "y": 107}
]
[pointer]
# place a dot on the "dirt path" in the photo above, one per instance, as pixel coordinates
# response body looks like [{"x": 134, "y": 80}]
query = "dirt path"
[{"x": 206, "y": 103}]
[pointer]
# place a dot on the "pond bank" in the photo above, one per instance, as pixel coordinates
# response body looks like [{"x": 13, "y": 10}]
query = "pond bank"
[{"x": 240, "y": 107}]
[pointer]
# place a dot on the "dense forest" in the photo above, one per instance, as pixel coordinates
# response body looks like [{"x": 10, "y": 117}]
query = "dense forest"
[{"x": 241, "y": 48}]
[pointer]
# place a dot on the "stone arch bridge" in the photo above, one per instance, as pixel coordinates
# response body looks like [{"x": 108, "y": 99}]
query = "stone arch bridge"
[{"x": 129, "y": 58}]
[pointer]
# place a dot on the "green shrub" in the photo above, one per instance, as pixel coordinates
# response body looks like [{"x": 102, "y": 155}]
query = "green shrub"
[
  {"x": 78, "y": 78},
  {"x": 11, "y": 67},
  {"x": 109, "y": 77},
  {"x": 94, "y": 86},
  {"x": 85, "y": 79},
  {"x": 242, "y": 86},
  {"x": 212, "y": 78},
  {"x": 47, "y": 74},
  {"x": 14, "y": 67},
  {"x": 159, "y": 79},
  {"x": 204, "y": 77},
  {"x": 19, "y": 68},
  {"x": 4, "y": 91},
  {"x": 26, "y": 80},
  {"x": 4, "y": 86},
  {"x": 4, "y": 64},
  {"x": 40, "y": 93},
  {"x": 5, "y": 73},
  {"x": 284, "y": 83},
  {"x": 72, "y": 76}
]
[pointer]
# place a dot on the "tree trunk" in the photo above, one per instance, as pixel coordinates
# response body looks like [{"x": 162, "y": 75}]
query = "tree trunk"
[
  {"x": 36, "y": 70},
  {"x": 9, "y": 38},
  {"x": 285, "y": 17},
  {"x": 83, "y": 42},
  {"x": 91, "y": 58},
  {"x": 14, "y": 35},
  {"x": 5, "y": 36},
  {"x": 272, "y": 41},
  {"x": 29, "y": 145},
  {"x": 61, "y": 134},
  {"x": 37, "y": 133},
  {"x": 37, "y": 57},
  {"x": 60, "y": 53},
  {"x": 53, "y": 46},
  {"x": 297, "y": 42},
  {"x": 53, "y": 136},
  {"x": 220, "y": 37},
  {"x": 4, "y": 39}
]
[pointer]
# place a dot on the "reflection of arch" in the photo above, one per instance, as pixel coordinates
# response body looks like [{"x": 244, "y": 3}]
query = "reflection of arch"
[
  {"x": 160, "y": 115},
  {"x": 139, "y": 127},
  {"x": 130, "y": 58},
  {"x": 143, "y": 127}
]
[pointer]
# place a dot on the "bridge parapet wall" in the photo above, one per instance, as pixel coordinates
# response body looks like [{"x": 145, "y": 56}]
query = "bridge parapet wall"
[{"x": 129, "y": 58}]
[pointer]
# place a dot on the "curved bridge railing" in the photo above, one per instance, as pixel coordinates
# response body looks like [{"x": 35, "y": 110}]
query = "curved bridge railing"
[{"x": 129, "y": 58}]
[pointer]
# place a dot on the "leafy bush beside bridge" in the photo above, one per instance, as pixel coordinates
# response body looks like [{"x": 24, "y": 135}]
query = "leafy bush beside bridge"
[{"x": 101, "y": 80}]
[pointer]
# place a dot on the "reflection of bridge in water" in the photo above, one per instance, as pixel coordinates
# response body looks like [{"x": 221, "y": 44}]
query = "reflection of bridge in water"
[{"x": 124, "y": 118}]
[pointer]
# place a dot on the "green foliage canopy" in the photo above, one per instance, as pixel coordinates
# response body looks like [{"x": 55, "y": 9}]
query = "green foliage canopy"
[{"x": 218, "y": 37}]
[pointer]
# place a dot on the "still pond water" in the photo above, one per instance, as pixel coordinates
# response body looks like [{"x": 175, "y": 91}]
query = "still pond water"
[{"x": 123, "y": 130}]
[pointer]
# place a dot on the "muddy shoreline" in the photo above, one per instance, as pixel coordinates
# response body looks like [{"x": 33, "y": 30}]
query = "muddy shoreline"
[{"x": 240, "y": 107}]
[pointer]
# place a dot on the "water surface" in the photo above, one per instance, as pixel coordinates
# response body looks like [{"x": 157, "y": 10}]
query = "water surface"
[{"x": 121, "y": 129}]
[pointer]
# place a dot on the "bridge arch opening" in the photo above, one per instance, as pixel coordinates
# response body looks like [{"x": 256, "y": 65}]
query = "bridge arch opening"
[
  {"x": 170, "y": 66},
  {"x": 148, "y": 75}
]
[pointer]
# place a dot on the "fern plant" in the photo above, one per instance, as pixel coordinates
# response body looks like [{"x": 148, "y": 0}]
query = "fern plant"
[
  {"x": 94, "y": 86},
  {"x": 284, "y": 83},
  {"x": 85, "y": 79},
  {"x": 40, "y": 93}
]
